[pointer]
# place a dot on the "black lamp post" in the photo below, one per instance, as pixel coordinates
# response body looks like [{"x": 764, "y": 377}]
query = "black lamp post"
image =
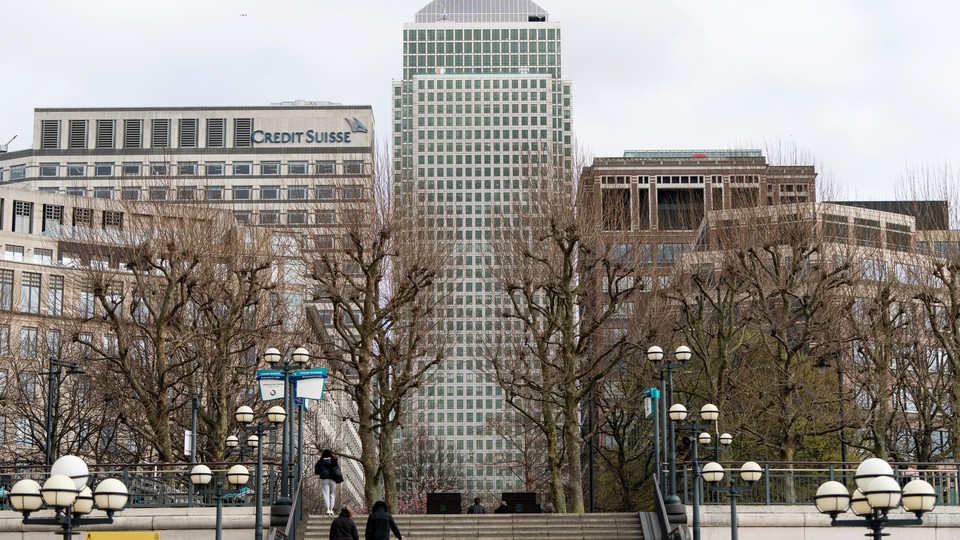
[
  {"x": 67, "y": 494},
  {"x": 709, "y": 413},
  {"x": 233, "y": 445},
  {"x": 286, "y": 365},
  {"x": 54, "y": 371},
  {"x": 201, "y": 475},
  {"x": 656, "y": 355},
  {"x": 877, "y": 493},
  {"x": 750, "y": 472},
  {"x": 244, "y": 415}
]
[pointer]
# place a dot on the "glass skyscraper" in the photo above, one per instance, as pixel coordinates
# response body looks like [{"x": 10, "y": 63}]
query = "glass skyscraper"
[{"x": 481, "y": 95}]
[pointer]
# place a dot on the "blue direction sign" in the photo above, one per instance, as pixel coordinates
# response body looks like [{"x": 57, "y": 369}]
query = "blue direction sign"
[
  {"x": 271, "y": 384},
  {"x": 309, "y": 383}
]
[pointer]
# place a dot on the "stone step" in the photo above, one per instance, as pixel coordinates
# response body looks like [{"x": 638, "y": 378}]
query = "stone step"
[{"x": 499, "y": 526}]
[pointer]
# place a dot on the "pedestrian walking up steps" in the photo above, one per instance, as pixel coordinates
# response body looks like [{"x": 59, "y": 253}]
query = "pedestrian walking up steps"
[{"x": 500, "y": 526}]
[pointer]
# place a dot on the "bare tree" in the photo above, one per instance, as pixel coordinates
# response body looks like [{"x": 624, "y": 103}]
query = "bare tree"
[
  {"x": 566, "y": 287},
  {"x": 376, "y": 288},
  {"x": 151, "y": 299}
]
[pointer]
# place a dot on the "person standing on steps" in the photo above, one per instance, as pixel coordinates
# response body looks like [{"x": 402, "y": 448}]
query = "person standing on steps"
[
  {"x": 502, "y": 509},
  {"x": 380, "y": 523},
  {"x": 328, "y": 469},
  {"x": 476, "y": 507},
  {"x": 343, "y": 528}
]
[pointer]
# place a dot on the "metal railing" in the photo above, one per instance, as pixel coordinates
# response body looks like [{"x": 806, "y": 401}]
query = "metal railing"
[
  {"x": 157, "y": 485},
  {"x": 796, "y": 484}
]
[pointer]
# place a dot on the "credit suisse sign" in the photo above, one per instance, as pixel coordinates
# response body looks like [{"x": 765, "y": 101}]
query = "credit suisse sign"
[{"x": 309, "y": 136}]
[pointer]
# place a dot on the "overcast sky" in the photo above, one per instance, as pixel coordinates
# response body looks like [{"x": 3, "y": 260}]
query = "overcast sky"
[{"x": 868, "y": 88}]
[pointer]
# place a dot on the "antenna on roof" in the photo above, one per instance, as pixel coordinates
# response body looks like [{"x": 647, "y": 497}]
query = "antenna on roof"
[
  {"x": 4, "y": 147},
  {"x": 443, "y": 8}
]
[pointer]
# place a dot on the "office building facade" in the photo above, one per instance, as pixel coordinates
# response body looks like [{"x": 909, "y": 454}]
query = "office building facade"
[
  {"x": 266, "y": 164},
  {"x": 481, "y": 96},
  {"x": 652, "y": 202}
]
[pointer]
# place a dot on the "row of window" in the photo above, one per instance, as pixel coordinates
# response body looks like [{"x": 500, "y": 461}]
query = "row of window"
[
  {"x": 29, "y": 298},
  {"x": 134, "y": 132},
  {"x": 216, "y": 193},
  {"x": 187, "y": 168},
  {"x": 300, "y": 218},
  {"x": 53, "y": 217},
  {"x": 484, "y": 34}
]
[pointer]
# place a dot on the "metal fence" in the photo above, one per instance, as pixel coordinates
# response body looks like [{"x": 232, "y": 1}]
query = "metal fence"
[
  {"x": 796, "y": 484},
  {"x": 157, "y": 485}
]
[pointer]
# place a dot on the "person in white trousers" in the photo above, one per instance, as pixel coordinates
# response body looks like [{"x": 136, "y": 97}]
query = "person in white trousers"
[{"x": 328, "y": 469}]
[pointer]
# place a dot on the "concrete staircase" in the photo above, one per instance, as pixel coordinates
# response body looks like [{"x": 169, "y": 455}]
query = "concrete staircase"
[{"x": 499, "y": 526}]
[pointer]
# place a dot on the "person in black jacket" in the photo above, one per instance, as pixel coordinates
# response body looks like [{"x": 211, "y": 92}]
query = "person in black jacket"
[
  {"x": 502, "y": 509},
  {"x": 380, "y": 523},
  {"x": 343, "y": 528},
  {"x": 326, "y": 469},
  {"x": 476, "y": 507}
]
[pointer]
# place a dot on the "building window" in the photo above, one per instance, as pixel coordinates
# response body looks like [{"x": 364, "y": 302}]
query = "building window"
[
  {"x": 352, "y": 167},
  {"x": 77, "y": 191},
  {"x": 18, "y": 172},
  {"x": 76, "y": 169},
  {"x": 128, "y": 193},
  {"x": 214, "y": 193},
  {"x": 28, "y": 342},
  {"x": 49, "y": 169},
  {"x": 132, "y": 169},
  {"x": 242, "y": 216},
  {"x": 215, "y": 132},
  {"x": 269, "y": 193},
  {"x": 52, "y": 216},
  {"x": 158, "y": 193},
  {"x": 49, "y": 134},
  {"x": 297, "y": 217},
  {"x": 112, "y": 220},
  {"x": 215, "y": 169},
  {"x": 243, "y": 168},
  {"x": 297, "y": 192},
  {"x": 55, "y": 296},
  {"x": 106, "y": 130},
  {"x": 269, "y": 217},
  {"x": 78, "y": 134},
  {"x": 352, "y": 192},
  {"x": 42, "y": 256},
  {"x": 54, "y": 341},
  {"x": 326, "y": 217},
  {"x": 103, "y": 169},
  {"x": 6, "y": 290},
  {"x": 82, "y": 217},
  {"x": 270, "y": 168},
  {"x": 326, "y": 193},
  {"x": 160, "y": 133},
  {"x": 44, "y": 189},
  {"x": 242, "y": 193},
  {"x": 186, "y": 193},
  {"x": 133, "y": 133},
  {"x": 243, "y": 132},
  {"x": 4, "y": 346},
  {"x": 188, "y": 133},
  {"x": 30, "y": 293},
  {"x": 23, "y": 217},
  {"x": 297, "y": 167},
  {"x": 187, "y": 168},
  {"x": 103, "y": 192},
  {"x": 158, "y": 169},
  {"x": 86, "y": 303},
  {"x": 326, "y": 167},
  {"x": 13, "y": 253}
]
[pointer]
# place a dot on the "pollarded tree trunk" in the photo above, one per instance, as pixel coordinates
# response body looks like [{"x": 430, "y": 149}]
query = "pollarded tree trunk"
[{"x": 554, "y": 463}]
